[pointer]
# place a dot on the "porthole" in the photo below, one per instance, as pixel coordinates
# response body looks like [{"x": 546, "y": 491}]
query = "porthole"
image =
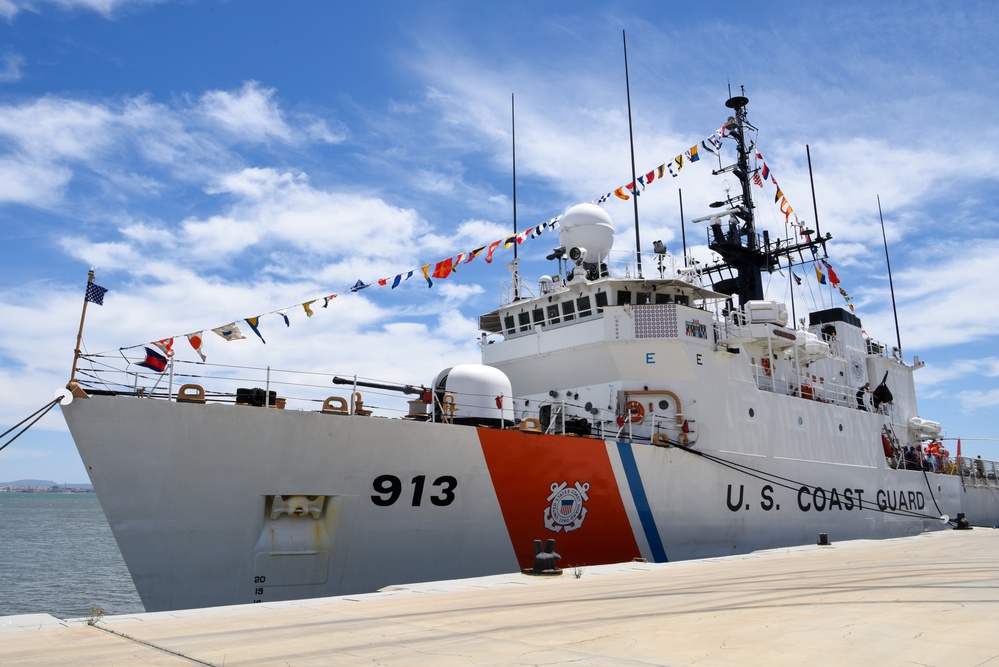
[
  {"x": 664, "y": 405},
  {"x": 801, "y": 421},
  {"x": 752, "y": 413},
  {"x": 840, "y": 428}
]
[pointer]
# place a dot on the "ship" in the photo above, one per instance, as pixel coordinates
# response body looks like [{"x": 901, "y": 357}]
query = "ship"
[{"x": 628, "y": 417}]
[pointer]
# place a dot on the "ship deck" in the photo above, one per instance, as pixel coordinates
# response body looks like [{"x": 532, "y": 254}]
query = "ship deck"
[{"x": 930, "y": 599}]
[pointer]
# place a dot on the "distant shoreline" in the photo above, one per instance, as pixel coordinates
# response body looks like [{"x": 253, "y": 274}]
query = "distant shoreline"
[{"x": 43, "y": 486}]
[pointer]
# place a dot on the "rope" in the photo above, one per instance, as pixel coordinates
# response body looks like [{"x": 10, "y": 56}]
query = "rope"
[{"x": 43, "y": 410}]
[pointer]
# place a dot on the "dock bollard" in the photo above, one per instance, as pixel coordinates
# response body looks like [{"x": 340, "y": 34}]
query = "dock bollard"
[
  {"x": 823, "y": 540},
  {"x": 544, "y": 560}
]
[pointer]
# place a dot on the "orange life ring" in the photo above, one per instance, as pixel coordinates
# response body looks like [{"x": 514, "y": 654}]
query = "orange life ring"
[
  {"x": 635, "y": 410},
  {"x": 765, "y": 362}
]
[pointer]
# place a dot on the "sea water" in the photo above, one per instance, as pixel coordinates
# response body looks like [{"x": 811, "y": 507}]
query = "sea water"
[{"x": 58, "y": 557}]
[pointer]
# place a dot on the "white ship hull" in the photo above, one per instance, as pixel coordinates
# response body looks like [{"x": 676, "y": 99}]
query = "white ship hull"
[{"x": 189, "y": 491}]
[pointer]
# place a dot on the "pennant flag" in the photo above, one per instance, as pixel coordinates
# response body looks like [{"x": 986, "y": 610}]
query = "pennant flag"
[
  {"x": 619, "y": 193},
  {"x": 819, "y": 275},
  {"x": 426, "y": 272},
  {"x": 692, "y": 155},
  {"x": 651, "y": 176},
  {"x": 787, "y": 213},
  {"x": 166, "y": 345},
  {"x": 383, "y": 281},
  {"x": 492, "y": 249},
  {"x": 358, "y": 286},
  {"x": 327, "y": 299},
  {"x": 601, "y": 199},
  {"x": 713, "y": 142},
  {"x": 443, "y": 269},
  {"x": 779, "y": 194},
  {"x": 197, "y": 343},
  {"x": 154, "y": 360},
  {"x": 766, "y": 170},
  {"x": 308, "y": 307},
  {"x": 396, "y": 281},
  {"x": 472, "y": 254},
  {"x": 669, "y": 168},
  {"x": 95, "y": 294},
  {"x": 283, "y": 314},
  {"x": 833, "y": 278},
  {"x": 254, "y": 322},
  {"x": 229, "y": 332},
  {"x": 797, "y": 280},
  {"x": 509, "y": 241},
  {"x": 679, "y": 164}
]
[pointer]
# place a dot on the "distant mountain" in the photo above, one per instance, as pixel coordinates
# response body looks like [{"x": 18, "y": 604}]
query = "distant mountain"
[{"x": 44, "y": 484}]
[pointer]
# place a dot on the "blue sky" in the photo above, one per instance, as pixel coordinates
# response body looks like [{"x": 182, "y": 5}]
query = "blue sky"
[{"x": 216, "y": 160}]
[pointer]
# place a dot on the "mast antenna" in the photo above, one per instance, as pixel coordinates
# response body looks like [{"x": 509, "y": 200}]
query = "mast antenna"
[
  {"x": 631, "y": 136},
  {"x": 513, "y": 132},
  {"x": 891, "y": 284}
]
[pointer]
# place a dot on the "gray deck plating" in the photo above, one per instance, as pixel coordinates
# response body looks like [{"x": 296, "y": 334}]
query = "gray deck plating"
[{"x": 927, "y": 600}]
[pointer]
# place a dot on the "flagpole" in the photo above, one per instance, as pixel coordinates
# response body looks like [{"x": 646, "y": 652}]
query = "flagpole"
[{"x": 79, "y": 334}]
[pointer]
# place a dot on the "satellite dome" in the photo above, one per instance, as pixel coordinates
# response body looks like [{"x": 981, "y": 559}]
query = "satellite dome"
[{"x": 588, "y": 227}]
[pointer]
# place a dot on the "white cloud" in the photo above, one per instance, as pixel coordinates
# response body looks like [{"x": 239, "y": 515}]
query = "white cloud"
[
  {"x": 250, "y": 114},
  {"x": 136, "y": 146}
]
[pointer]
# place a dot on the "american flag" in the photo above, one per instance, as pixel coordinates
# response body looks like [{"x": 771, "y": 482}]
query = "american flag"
[{"x": 95, "y": 293}]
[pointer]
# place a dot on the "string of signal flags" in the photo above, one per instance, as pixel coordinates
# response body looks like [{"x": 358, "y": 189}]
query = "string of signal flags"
[{"x": 158, "y": 358}]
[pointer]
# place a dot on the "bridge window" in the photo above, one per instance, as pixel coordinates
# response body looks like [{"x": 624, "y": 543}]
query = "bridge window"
[
  {"x": 568, "y": 310},
  {"x": 601, "y": 301},
  {"x": 583, "y": 306}
]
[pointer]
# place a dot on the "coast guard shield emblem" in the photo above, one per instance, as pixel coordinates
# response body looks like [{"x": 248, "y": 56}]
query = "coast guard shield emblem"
[{"x": 566, "y": 511}]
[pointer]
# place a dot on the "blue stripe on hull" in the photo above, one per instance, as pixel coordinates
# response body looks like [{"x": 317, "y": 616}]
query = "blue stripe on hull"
[{"x": 641, "y": 502}]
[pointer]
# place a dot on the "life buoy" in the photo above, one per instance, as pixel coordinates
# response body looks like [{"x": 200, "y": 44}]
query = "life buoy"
[
  {"x": 635, "y": 410},
  {"x": 765, "y": 362}
]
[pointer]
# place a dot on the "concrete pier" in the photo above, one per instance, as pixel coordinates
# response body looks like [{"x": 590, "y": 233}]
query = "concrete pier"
[{"x": 932, "y": 599}]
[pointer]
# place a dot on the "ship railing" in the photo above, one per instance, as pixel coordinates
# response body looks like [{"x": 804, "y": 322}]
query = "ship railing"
[
  {"x": 112, "y": 373},
  {"x": 618, "y": 264},
  {"x": 978, "y": 471},
  {"x": 882, "y": 350},
  {"x": 803, "y": 386}
]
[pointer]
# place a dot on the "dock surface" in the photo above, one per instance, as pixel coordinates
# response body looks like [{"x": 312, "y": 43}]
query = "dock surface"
[{"x": 932, "y": 599}]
